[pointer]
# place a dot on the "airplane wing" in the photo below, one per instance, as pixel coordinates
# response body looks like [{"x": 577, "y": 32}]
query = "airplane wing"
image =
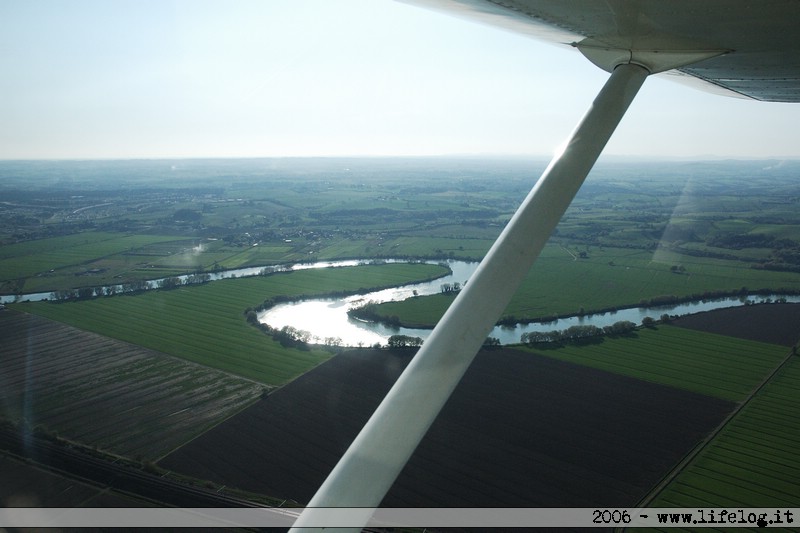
[
  {"x": 763, "y": 52},
  {"x": 740, "y": 46}
]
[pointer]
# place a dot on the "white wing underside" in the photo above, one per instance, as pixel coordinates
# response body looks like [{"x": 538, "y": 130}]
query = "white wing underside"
[{"x": 762, "y": 52}]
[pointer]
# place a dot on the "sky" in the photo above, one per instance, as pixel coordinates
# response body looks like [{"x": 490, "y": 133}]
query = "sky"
[{"x": 106, "y": 79}]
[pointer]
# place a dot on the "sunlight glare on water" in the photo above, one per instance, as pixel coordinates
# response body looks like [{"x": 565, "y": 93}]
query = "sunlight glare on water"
[{"x": 327, "y": 318}]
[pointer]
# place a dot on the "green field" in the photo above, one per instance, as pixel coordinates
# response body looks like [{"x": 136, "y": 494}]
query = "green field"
[
  {"x": 715, "y": 365},
  {"x": 80, "y": 247},
  {"x": 206, "y": 323},
  {"x": 754, "y": 460},
  {"x": 560, "y": 285},
  {"x": 71, "y": 252}
]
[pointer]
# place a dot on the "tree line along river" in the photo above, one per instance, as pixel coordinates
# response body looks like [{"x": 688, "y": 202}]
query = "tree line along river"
[{"x": 327, "y": 318}]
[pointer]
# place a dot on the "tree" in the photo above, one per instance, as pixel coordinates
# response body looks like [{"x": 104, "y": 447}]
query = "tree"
[
  {"x": 291, "y": 336},
  {"x": 619, "y": 328},
  {"x": 84, "y": 293},
  {"x": 648, "y": 322},
  {"x": 581, "y": 332},
  {"x": 535, "y": 337},
  {"x": 169, "y": 283},
  {"x": 446, "y": 288},
  {"x": 403, "y": 341},
  {"x": 64, "y": 294},
  {"x": 197, "y": 279},
  {"x": 333, "y": 341},
  {"x": 491, "y": 342}
]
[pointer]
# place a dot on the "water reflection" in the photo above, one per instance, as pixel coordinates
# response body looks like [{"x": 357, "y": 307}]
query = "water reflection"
[{"x": 327, "y": 318}]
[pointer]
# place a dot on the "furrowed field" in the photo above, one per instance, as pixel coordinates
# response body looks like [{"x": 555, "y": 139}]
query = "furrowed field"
[
  {"x": 753, "y": 461},
  {"x": 206, "y": 324},
  {"x": 515, "y": 433},
  {"x": 715, "y": 365},
  {"x": 109, "y": 394}
]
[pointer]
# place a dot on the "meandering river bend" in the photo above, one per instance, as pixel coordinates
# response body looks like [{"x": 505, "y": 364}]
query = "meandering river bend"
[{"x": 327, "y": 317}]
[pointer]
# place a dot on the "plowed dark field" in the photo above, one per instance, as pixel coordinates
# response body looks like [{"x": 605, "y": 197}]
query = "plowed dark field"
[
  {"x": 774, "y": 323},
  {"x": 520, "y": 430}
]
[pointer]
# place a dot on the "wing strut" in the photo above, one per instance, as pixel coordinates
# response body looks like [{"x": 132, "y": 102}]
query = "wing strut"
[{"x": 368, "y": 469}]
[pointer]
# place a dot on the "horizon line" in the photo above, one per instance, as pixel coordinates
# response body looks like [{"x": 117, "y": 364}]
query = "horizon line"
[{"x": 516, "y": 156}]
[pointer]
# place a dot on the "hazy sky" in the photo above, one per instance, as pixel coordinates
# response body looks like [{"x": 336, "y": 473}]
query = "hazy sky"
[{"x": 165, "y": 78}]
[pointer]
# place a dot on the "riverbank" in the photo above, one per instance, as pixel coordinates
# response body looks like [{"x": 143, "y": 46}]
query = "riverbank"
[
  {"x": 206, "y": 324},
  {"x": 282, "y": 299},
  {"x": 173, "y": 282},
  {"x": 372, "y": 319},
  {"x": 424, "y": 312}
]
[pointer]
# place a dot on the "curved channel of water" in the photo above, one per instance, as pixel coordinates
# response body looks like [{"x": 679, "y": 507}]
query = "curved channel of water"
[
  {"x": 328, "y": 319},
  {"x": 212, "y": 276}
]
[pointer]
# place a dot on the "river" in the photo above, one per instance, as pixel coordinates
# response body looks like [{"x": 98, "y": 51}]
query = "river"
[
  {"x": 212, "y": 276},
  {"x": 327, "y": 318}
]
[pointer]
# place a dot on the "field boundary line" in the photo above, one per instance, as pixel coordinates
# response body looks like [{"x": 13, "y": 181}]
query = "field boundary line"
[
  {"x": 209, "y": 428},
  {"x": 270, "y": 390},
  {"x": 694, "y": 452}
]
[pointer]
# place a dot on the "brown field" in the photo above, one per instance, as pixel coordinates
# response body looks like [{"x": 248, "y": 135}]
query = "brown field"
[
  {"x": 122, "y": 398},
  {"x": 773, "y": 323},
  {"x": 520, "y": 430}
]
